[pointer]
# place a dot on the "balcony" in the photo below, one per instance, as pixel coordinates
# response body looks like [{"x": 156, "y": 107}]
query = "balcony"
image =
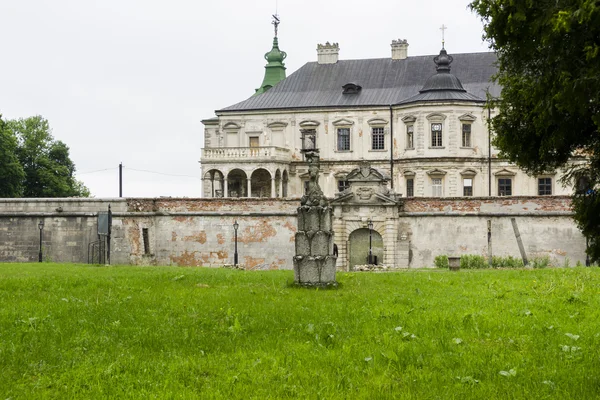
[{"x": 249, "y": 154}]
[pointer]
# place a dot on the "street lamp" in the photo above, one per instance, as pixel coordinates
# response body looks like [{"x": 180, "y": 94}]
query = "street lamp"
[
  {"x": 370, "y": 225},
  {"x": 587, "y": 255},
  {"x": 41, "y": 226},
  {"x": 235, "y": 254}
]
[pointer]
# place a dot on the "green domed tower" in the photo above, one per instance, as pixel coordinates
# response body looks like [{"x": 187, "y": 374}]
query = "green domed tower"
[{"x": 275, "y": 68}]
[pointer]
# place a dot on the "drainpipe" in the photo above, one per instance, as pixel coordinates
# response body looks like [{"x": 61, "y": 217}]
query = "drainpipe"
[
  {"x": 489, "y": 150},
  {"x": 392, "y": 147}
]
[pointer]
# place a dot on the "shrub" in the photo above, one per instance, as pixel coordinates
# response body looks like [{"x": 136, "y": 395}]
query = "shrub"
[
  {"x": 441, "y": 261},
  {"x": 506, "y": 262},
  {"x": 473, "y": 261},
  {"x": 540, "y": 262}
]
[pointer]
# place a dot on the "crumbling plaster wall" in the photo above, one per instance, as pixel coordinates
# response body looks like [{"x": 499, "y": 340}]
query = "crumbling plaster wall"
[
  {"x": 191, "y": 232},
  {"x": 455, "y": 226}
]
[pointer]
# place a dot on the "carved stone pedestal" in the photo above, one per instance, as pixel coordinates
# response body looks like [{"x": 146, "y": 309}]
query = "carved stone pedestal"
[{"x": 314, "y": 262}]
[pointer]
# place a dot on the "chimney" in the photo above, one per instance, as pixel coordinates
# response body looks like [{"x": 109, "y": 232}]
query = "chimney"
[
  {"x": 399, "y": 49},
  {"x": 328, "y": 53}
]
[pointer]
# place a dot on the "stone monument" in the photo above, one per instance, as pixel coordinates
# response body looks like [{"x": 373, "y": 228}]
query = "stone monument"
[{"x": 314, "y": 262}]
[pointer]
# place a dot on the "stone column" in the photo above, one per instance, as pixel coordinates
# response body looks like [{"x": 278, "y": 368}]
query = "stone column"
[
  {"x": 249, "y": 183},
  {"x": 273, "y": 195},
  {"x": 281, "y": 187},
  {"x": 225, "y": 188},
  {"x": 389, "y": 243}
]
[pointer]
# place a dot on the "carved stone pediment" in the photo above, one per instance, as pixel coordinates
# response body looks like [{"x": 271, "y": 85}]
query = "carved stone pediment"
[
  {"x": 368, "y": 185},
  {"x": 367, "y": 173}
]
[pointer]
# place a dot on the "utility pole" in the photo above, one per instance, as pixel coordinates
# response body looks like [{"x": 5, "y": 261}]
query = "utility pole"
[{"x": 121, "y": 180}]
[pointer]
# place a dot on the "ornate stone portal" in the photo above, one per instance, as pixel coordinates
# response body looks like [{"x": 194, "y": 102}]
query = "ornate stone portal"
[{"x": 314, "y": 262}]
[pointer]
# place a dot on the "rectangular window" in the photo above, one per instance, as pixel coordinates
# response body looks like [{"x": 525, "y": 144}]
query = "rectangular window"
[
  {"x": 343, "y": 185},
  {"x": 436, "y": 187},
  {"x": 468, "y": 187},
  {"x": 466, "y": 135},
  {"x": 505, "y": 187},
  {"x": 410, "y": 187},
  {"x": 410, "y": 137},
  {"x": 436, "y": 135},
  {"x": 544, "y": 186},
  {"x": 253, "y": 141},
  {"x": 378, "y": 139},
  {"x": 343, "y": 137}
]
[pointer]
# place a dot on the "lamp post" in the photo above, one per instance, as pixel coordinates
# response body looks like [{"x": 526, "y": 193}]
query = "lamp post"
[
  {"x": 370, "y": 225},
  {"x": 587, "y": 255},
  {"x": 235, "y": 253},
  {"x": 41, "y": 226}
]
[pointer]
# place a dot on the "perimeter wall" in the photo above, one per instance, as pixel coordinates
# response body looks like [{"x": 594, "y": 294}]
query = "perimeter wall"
[{"x": 194, "y": 232}]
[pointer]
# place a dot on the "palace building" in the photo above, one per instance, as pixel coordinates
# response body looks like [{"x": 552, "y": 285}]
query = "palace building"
[{"x": 421, "y": 121}]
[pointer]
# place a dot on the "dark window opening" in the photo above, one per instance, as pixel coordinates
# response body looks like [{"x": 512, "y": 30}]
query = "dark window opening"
[
  {"x": 343, "y": 136},
  {"x": 146, "y": 239},
  {"x": 343, "y": 185},
  {"x": 410, "y": 187},
  {"x": 466, "y": 135},
  {"x": 544, "y": 186},
  {"x": 467, "y": 187},
  {"x": 505, "y": 187}
]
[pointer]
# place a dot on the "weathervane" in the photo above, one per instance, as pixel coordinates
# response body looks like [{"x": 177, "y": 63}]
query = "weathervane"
[
  {"x": 275, "y": 22},
  {"x": 442, "y": 28}
]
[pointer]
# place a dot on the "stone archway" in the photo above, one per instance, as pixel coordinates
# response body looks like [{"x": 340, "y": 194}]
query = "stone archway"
[
  {"x": 358, "y": 243},
  {"x": 261, "y": 183},
  {"x": 213, "y": 183},
  {"x": 236, "y": 183}
]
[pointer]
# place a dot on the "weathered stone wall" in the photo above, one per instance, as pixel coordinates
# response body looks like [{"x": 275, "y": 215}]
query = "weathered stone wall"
[
  {"x": 455, "y": 226},
  {"x": 180, "y": 231},
  {"x": 200, "y": 231}
]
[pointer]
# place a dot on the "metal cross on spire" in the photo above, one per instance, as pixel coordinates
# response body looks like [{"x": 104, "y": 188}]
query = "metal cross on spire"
[
  {"x": 443, "y": 28},
  {"x": 275, "y": 22}
]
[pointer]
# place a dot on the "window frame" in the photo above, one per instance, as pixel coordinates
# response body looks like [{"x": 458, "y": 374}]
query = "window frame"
[
  {"x": 254, "y": 138},
  {"x": 410, "y": 186},
  {"x": 339, "y": 136},
  {"x": 465, "y": 194},
  {"x": 506, "y": 179},
  {"x": 342, "y": 184},
  {"x": 437, "y": 182},
  {"x": 548, "y": 185},
  {"x": 468, "y": 135},
  {"x": 380, "y": 136},
  {"x": 437, "y": 135}
]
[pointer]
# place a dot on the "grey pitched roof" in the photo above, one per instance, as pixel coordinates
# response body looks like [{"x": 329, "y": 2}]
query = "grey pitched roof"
[{"x": 384, "y": 81}]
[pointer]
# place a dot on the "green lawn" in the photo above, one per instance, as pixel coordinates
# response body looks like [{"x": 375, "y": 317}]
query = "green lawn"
[{"x": 77, "y": 331}]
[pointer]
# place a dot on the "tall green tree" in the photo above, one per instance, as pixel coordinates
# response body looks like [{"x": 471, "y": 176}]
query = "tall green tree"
[
  {"x": 47, "y": 166},
  {"x": 11, "y": 171},
  {"x": 549, "y": 68}
]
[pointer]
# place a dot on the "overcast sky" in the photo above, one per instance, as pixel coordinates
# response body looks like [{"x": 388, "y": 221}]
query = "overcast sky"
[{"x": 129, "y": 80}]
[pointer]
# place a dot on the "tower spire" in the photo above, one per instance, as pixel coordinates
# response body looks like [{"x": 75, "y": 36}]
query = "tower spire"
[{"x": 275, "y": 68}]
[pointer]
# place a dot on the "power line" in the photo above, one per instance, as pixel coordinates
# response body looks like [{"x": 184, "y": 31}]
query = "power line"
[
  {"x": 161, "y": 173},
  {"x": 91, "y": 172}
]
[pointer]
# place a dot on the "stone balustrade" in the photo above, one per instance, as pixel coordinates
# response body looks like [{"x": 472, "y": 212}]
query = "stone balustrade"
[{"x": 265, "y": 153}]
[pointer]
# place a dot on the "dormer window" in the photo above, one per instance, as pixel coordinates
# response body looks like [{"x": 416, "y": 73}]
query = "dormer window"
[{"x": 351, "y": 88}]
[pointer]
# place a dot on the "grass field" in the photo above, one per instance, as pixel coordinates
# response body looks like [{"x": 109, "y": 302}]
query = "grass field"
[{"x": 77, "y": 331}]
